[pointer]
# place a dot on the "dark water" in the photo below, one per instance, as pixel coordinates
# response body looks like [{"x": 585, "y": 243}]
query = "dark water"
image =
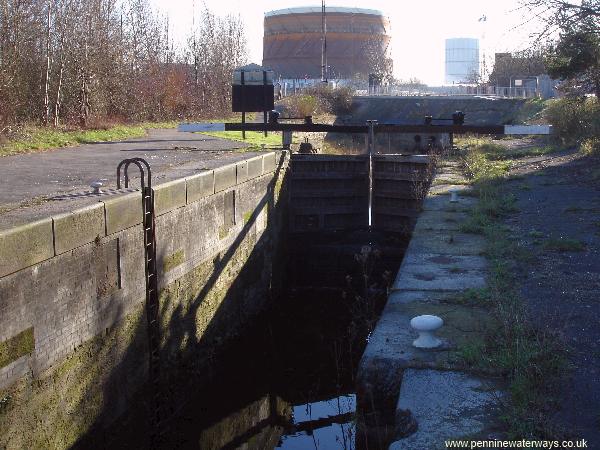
[
  {"x": 287, "y": 384},
  {"x": 288, "y": 381}
]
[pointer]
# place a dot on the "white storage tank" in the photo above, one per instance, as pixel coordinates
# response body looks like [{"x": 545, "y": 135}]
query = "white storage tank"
[{"x": 462, "y": 60}]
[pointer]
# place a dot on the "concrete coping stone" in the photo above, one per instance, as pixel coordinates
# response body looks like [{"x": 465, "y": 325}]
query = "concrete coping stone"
[
  {"x": 200, "y": 186},
  {"x": 446, "y": 405},
  {"x": 269, "y": 162},
  {"x": 169, "y": 196},
  {"x": 435, "y": 202},
  {"x": 417, "y": 159},
  {"x": 423, "y": 271},
  {"x": 241, "y": 169},
  {"x": 79, "y": 227},
  {"x": 446, "y": 242},
  {"x": 439, "y": 262},
  {"x": 225, "y": 177},
  {"x": 123, "y": 212},
  {"x": 255, "y": 167},
  {"x": 26, "y": 245}
]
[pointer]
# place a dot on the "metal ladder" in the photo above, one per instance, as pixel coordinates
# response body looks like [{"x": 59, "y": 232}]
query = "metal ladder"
[{"x": 153, "y": 327}]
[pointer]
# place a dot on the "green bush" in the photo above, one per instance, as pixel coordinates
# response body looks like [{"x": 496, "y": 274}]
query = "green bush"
[
  {"x": 318, "y": 100},
  {"x": 332, "y": 101},
  {"x": 299, "y": 105},
  {"x": 591, "y": 146},
  {"x": 574, "y": 119}
]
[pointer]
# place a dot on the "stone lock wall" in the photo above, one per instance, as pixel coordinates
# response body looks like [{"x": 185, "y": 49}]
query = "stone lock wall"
[{"x": 73, "y": 342}]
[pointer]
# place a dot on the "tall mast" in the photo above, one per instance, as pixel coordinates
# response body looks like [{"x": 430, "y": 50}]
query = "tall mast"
[{"x": 323, "y": 43}]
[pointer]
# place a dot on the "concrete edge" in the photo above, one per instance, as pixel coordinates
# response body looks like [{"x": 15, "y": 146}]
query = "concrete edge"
[
  {"x": 26, "y": 245},
  {"x": 384, "y": 363},
  {"x": 169, "y": 196},
  {"x": 199, "y": 186},
  {"x": 79, "y": 227},
  {"x": 122, "y": 212},
  {"x": 34, "y": 242}
]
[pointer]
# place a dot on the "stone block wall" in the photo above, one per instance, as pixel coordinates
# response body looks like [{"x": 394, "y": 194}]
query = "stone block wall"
[{"x": 73, "y": 346}]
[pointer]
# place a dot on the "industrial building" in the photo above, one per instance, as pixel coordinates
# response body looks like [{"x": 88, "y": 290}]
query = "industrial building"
[
  {"x": 462, "y": 60},
  {"x": 358, "y": 42}
]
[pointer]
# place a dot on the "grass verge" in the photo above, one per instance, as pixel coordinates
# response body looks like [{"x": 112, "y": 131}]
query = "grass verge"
[
  {"x": 495, "y": 151},
  {"x": 35, "y": 138},
  {"x": 255, "y": 139},
  {"x": 564, "y": 245},
  {"x": 532, "y": 359},
  {"x": 32, "y": 138}
]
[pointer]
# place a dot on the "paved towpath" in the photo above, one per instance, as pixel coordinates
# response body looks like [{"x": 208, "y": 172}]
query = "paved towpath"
[{"x": 37, "y": 185}]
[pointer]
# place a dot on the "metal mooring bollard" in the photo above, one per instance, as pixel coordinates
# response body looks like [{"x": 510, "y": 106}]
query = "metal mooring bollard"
[
  {"x": 453, "y": 195},
  {"x": 426, "y": 325},
  {"x": 96, "y": 185}
]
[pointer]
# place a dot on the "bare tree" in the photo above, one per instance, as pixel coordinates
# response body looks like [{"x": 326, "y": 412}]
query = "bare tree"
[
  {"x": 561, "y": 14},
  {"x": 88, "y": 61}
]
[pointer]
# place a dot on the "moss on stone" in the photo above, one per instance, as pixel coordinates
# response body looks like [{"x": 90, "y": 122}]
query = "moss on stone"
[
  {"x": 20, "y": 345},
  {"x": 278, "y": 186},
  {"x": 59, "y": 406},
  {"x": 173, "y": 260},
  {"x": 105, "y": 375},
  {"x": 223, "y": 232},
  {"x": 464, "y": 326}
]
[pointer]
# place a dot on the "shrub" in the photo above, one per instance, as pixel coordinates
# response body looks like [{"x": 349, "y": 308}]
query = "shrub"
[
  {"x": 591, "y": 146},
  {"x": 299, "y": 105},
  {"x": 574, "y": 119},
  {"x": 332, "y": 101},
  {"x": 318, "y": 100}
]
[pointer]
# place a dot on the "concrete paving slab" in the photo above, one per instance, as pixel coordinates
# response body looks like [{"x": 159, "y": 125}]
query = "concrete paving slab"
[
  {"x": 418, "y": 277},
  {"x": 447, "y": 261},
  {"x": 440, "y": 189},
  {"x": 440, "y": 220},
  {"x": 170, "y": 153},
  {"x": 399, "y": 298},
  {"x": 393, "y": 337},
  {"x": 446, "y": 405},
  {"x": 446, "y": 243},
  {"x": 441, "y": 272},
  {"x": 442, "y": 203}
]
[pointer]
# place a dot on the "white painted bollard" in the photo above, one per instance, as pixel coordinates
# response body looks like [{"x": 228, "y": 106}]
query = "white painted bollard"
[
  {"x": 453, "y": 195},
  {"x": 96, "y": 185},
  {"x": 426, "y": 325}
]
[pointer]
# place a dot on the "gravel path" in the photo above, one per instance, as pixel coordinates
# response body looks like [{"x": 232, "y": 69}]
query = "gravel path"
[{"x": 558, "y": 197}]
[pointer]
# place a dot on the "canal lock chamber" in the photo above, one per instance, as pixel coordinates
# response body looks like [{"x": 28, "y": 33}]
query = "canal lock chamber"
[
  {"x": 272, "y": 272},
  {"x": 286, "y": 378}
]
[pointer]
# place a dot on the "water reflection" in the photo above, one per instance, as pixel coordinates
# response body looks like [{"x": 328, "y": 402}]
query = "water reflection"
[
  {"x": 288, "y": 384},
  {"x": 326, "y": 424}
]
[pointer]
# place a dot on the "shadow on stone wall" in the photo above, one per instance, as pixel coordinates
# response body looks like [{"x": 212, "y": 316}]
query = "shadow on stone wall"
[{"x": 200, "y": 313}]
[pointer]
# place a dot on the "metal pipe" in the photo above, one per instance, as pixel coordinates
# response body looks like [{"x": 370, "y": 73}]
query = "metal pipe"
[{"x": 371, "y": 150}]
